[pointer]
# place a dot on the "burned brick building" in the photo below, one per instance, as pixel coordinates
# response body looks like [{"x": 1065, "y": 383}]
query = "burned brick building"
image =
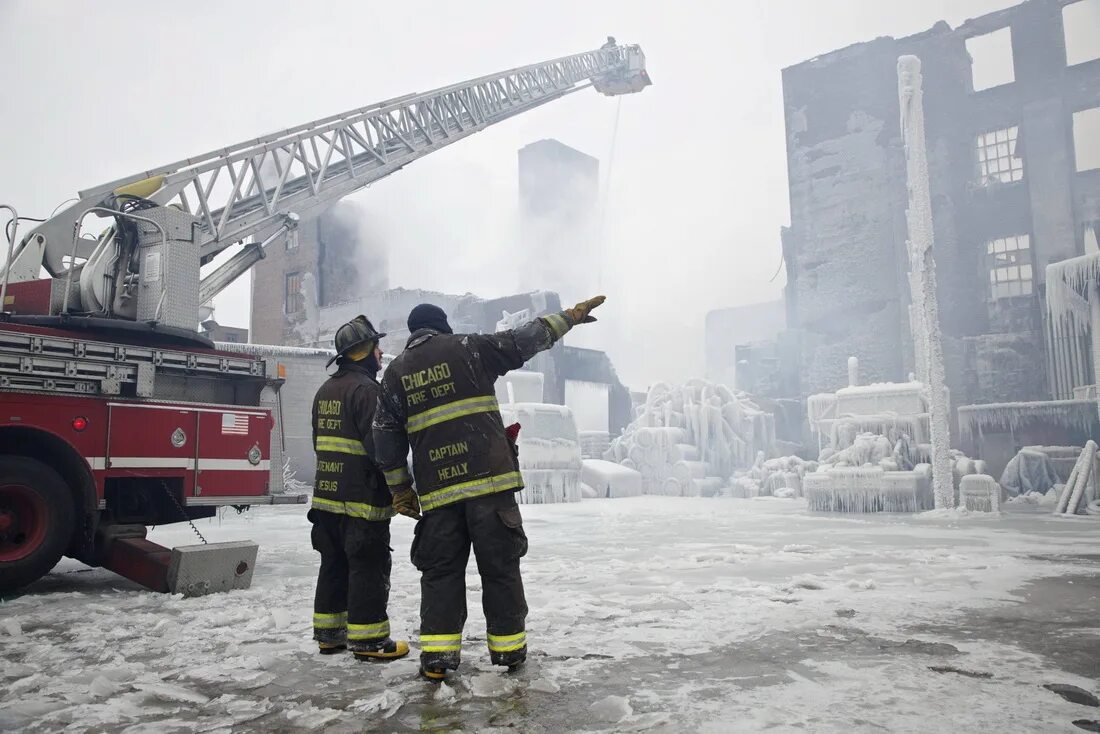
[
  {"x": 1013, "y": 130},
  {"x": 329, "y": 259}
]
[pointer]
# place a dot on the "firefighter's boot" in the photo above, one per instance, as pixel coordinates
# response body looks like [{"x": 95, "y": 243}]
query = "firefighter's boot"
[
  {"x": 511, "y": 659},
  {"x": 386, "y": 649},
  {"x": 434, "y": 665},
  {"x": 331, "y": 648}
]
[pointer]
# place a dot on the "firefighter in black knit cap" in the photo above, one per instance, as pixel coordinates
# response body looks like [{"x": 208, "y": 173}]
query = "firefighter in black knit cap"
[{"x": 438, "y": 397}]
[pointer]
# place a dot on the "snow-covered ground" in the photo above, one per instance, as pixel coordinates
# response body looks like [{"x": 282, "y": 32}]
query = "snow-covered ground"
[{"x": 648, "y": 613}]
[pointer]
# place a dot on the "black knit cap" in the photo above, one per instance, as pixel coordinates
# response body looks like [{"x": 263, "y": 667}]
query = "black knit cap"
[{"x": 429, "y": 316}]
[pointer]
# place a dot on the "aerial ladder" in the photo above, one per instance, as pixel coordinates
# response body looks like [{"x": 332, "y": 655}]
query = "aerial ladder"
[{"x": 118, "y": 413}]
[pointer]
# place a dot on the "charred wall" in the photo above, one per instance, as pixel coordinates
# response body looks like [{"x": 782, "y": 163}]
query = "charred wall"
[{"x": 847, "y": 290}]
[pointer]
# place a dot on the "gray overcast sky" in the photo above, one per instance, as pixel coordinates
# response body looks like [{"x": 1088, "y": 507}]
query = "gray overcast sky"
[{"x": 93, "y": 91}]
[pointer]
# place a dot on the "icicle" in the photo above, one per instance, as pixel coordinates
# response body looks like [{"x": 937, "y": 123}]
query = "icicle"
[
  {"x": 979, "y": 493},
  {"x": 1077, "y": 490}
]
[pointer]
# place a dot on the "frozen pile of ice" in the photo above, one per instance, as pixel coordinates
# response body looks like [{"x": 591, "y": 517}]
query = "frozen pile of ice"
[
  {"x": 782, "y": 477},
  {"x": 687, "y": 440}
]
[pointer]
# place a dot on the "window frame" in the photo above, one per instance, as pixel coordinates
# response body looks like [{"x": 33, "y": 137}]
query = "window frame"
[
  {"x": 1011, "y": 269},
  {"x": 1003, "y": 145},
  {"x": 297, "y": 295}
]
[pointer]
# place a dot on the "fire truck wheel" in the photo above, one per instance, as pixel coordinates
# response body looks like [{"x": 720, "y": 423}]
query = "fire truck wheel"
[{"x": 37, "y": 517}]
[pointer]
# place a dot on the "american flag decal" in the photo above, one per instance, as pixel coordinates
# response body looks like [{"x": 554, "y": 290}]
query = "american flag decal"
[{"x": 235, "y": 424}]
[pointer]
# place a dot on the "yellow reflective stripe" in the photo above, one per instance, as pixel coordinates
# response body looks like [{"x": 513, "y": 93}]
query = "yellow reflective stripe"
[
  {"x": 320, "y": 503},
  {"x": 339, "y": 445},
  {"x": 507, "y": 643},
  {"x": 557, "y": 324},
  {"x": 395, "y": 477},
  {"x": 330, "y": 621},
  {"x": 368, "y": 512},
  {"x": 450, "y": 411},
  {"x": 473, "y": 488},
  {"x": 441, "y": 643},
  {"x": 369, "y": 631}
]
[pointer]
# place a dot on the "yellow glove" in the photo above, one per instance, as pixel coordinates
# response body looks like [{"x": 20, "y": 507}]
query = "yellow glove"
[
  {"x": 579, "y": 314},
  {"x": 406, "y": 503}
]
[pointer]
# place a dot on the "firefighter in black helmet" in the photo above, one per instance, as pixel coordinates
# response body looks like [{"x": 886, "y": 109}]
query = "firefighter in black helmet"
[
  {"x": 352, "y": 507},
  {"x": 438, "y": 397}
]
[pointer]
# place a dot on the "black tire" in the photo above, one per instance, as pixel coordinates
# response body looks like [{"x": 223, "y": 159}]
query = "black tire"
[{"x": 37, "y": 517}]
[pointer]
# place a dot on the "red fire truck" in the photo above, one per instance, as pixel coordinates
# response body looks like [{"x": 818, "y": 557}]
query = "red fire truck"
[{"x": 115, "y": 414}]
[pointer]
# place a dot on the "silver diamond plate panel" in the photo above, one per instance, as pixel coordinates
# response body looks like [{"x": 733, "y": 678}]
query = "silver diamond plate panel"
[
  {"x": 169, "y": 292},
  {"x": 196, "y": 570}
]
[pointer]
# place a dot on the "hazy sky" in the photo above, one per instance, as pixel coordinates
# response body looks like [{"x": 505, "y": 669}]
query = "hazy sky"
[{"x": 94, "y": 91}]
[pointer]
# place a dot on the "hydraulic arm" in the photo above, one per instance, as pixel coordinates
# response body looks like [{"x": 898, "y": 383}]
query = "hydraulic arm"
[{"x": 186, "y": 213}]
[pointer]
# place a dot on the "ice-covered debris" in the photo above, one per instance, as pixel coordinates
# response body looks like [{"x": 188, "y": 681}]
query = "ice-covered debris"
[
  {"x": 1030, "y": 470},
  {"x": 11, "y": 626},
  {"x": 781, "y": 477},
  {"x": 1076, "y": 415},
  {"x": 980, "y": 493},
  {"x": 1081, "y": 489},
  {"x": 612, "y": 709},
  {"x": 1069, "y": 284},
  {"x": 688, "y": 440},
  {"x": 868, "y": 489},
  {"x": 609, "y": 479},
  {"x": 385, "y": 704}
]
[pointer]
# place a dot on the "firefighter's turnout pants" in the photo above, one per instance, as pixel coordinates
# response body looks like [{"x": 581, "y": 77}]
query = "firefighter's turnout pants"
[
  {"x": 441, "y": 548},
  {"x": 353, "y": 585}
]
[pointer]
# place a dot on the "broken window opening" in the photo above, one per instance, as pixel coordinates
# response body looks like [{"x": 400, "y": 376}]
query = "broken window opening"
[
  {"x": 294, "y": 300},
  {"x": 1079, "y": 23},
  {"x": 1086, "y": 138},
  {"x": 1010, "y": 271},
  {"x": 997, "y": 159},
  {"x": 991, "y": 62}
]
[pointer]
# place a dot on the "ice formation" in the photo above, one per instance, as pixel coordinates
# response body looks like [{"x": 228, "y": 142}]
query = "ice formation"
[
  {"x": 688, "y": 440},
  {"x": 1030, "y": 470},
  {"x": 549, "y": 452},
  {"x": 922, "y": 269},
  {"x": 980, "y": 493},
  {"x": 869, "y": 489},
  {"x": 609, "y": 479},
  {"x": 1080, "y": 494},
  {"x": 1067, "y": 283},
  {"x": 1079, "y": 415},
  {"x": 781, "y": 477}
]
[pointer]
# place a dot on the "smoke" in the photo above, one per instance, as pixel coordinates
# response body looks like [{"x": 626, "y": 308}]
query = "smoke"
[
  {"x": 558, "y": 201},
  {"x": 354, "y": 257}
]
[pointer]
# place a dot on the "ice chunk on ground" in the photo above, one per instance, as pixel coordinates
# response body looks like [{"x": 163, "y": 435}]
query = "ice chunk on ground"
[
  {"x": 544, "y": 685},
  {"x": 612, "y": 709},
  {"x": 169, "y": 692},
  {"x": 101, "y": 687},
  {"x": 386, "y": 704}
]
